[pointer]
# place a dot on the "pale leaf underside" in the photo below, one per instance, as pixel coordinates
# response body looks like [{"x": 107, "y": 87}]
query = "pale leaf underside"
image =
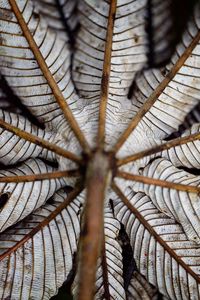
[{"x": 91, "y": 116}]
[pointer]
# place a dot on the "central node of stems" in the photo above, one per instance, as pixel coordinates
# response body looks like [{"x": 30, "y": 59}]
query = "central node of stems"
[
  {"x": 97, "y": 162},
  {"x": 99, "y": 167}
]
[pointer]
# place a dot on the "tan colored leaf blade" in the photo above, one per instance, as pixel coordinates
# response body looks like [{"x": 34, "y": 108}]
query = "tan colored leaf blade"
[
  {"x": 186, "y": 155},
  {"x": 20, "y": 199},
  {"x": 35, "y": 53},
  {"x": 14, "y": 148},
  {"x": 189, "y": 136},
  {"x": 110, "y": 282},
  {"x": 57, "y": 21},
  {"x": 140, "y": 289},
  {"x": 182, "y": 206},
  {"x": 25, "y": 136},
  {"x": 127, "y": 57},
  {"x": 158, "y": 96},
  {"x": 47, "y": 253},
  {"x": 23, "y": 72},
  {"x": 171, "y": 248}
]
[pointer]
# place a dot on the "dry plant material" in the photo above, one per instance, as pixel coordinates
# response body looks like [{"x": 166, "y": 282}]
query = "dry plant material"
[{"x": 89, "y": 175}]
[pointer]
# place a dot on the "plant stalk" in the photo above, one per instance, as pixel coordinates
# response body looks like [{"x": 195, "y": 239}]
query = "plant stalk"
[{"x": 93, "y": 221}]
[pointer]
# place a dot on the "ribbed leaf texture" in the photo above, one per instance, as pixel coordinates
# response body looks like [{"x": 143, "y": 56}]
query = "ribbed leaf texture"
[{"x": 100, "y": 149}]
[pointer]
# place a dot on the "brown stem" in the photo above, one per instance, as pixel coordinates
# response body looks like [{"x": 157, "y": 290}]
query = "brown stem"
[
  {"x": 36, "y": 177},
  {"x": 49, "y": 77},
  {"x": 175, "y": 142},
  {"x": 156, "y": 93},
  {"x": 159, "y": 182},
  {"x": 39, "y": 141},
  {"x": 72, "y": 195},
  {"x": 92, "y": 231},
  {"x": 105, "y": 271},
  {"x": 106, "y": 74},
  {"x": 154, "y": 234}
]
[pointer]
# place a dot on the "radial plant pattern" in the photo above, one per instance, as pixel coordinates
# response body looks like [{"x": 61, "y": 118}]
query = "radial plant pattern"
[{"x": 99, "y": 155}]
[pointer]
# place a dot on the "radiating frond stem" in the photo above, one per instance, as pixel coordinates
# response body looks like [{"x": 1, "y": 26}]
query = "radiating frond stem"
[
  {"x": 165, "y": 146},
  {"x": 106, "y": 74},
  {"x": 156, "y": 93},
  {"x": 49, "y": 77},
  {"x": 159, "y": 182},
  {"x": 39, "y": 141},
  {"x": 153, "y": 233},
  {"x": 92, "y": 230},
  {"x": 72, "y": 195},
  {"x": 105, "y": 270},
  {"x": 36, "y": 177}
]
